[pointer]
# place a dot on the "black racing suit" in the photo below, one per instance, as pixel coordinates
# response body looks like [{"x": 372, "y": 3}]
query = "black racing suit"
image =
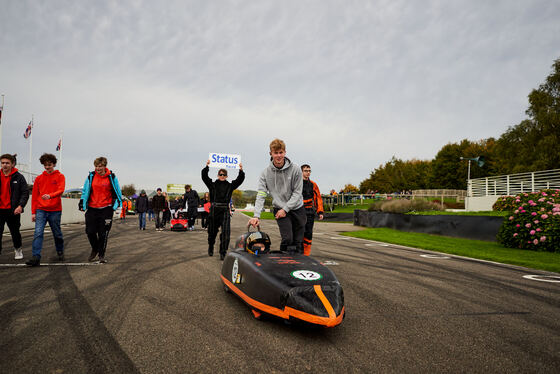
[{"x": 220, "y": 196}]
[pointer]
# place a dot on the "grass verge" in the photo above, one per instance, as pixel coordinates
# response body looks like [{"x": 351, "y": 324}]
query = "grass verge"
[
  {"x": 264, "y": 215},
  {"x": 484, "y": 250}
]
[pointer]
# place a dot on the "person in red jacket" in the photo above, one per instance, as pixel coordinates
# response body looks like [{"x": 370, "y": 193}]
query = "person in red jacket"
[
  {"x": 46, "y": 206},
  {"x": 124, "y": 209},
  {"x": 313, "y": 204},
  {"x": 13, "y": 198}
]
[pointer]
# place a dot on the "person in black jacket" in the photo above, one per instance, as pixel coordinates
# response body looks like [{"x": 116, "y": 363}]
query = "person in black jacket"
[
  {"x": 159, "y": 204},
  {"x": 220, "y": 197},
  {"x": 14, "y": 194},
  {"x": 190, "y": 202},
  {"x": 141, "y": 209}
]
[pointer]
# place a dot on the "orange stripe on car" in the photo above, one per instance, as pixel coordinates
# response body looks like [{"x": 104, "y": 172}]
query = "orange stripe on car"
[
  {"x": 330, "y": 321},
  {"x": 324, "y": 300}
]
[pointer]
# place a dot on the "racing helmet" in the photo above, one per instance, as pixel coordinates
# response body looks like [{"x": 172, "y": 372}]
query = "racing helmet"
[
  {"x": 257, "y": 242},
  {"x": 240, "y": 242}
]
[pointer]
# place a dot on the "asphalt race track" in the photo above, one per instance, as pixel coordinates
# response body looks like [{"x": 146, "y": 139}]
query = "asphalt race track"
[{"x": 158, "y": 306}]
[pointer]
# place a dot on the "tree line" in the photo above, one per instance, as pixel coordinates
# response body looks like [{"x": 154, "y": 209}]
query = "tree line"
[{"x": 531, "y": 145}]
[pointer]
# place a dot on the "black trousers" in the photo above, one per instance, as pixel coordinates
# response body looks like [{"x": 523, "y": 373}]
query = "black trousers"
[
  {"x": 14, "y": 223},
  {"x": 292, "y": 228},
  {"x": 308, "y": 232},
  {"x": 192, "y": 212},
  {"x": 204, "y": 219},
  {"x": 98, "y": 225},
  {"x": 219, "y": 217}
]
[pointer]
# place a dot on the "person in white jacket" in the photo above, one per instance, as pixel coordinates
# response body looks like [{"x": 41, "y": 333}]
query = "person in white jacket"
[{"x": 283, "y": 180}]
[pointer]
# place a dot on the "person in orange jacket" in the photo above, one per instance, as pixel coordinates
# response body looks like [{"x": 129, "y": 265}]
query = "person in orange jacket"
[
  {"x": 124, "y": 209},
  {"x": 46, "y": 206},
  {"x": 313, "y": 203}
]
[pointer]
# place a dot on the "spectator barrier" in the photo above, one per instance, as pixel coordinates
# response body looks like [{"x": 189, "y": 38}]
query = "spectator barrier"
[
  {"x": 70, "y": 214},
  {"x": 468, "y": 227}
]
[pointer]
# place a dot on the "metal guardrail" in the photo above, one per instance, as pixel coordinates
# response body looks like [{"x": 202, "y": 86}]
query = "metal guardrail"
[{"x": 505, "y": 185}]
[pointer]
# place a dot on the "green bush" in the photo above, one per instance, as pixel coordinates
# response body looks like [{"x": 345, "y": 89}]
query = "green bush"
[
  {"x": 534, "y": 222},
  {"x": 403, "y": 206}
]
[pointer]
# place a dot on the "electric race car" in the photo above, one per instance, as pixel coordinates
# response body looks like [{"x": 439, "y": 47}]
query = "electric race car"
[
  {"x": 292, "y": 287},
  {"x": 179, "y": 223}
]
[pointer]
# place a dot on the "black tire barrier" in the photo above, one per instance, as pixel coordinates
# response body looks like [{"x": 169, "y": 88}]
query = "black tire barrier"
[
  {"x": 340, "y": 217},
  {"x": 468, "y": 227}
]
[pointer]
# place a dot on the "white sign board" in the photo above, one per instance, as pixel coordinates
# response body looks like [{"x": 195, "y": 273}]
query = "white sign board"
[{"x": 224, "y": 161}]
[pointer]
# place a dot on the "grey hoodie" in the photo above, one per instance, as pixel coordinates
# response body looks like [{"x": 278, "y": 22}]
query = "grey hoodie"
[{"x": 284, "y": 185}]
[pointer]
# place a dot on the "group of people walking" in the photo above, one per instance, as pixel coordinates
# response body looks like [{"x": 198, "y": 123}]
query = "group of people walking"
[
  {"x": 101, "y": 196},
  {"x": 295, "y": 199}
]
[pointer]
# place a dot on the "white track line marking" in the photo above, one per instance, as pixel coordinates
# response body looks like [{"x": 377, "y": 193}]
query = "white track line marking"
[
  {"x": 543, "y": 278},
  {"x": 435, "y": 256}
]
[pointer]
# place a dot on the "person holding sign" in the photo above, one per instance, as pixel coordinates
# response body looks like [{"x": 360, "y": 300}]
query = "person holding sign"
[
  {"x": 220, "y": 196},
  {"x": 284, "y": 181}
]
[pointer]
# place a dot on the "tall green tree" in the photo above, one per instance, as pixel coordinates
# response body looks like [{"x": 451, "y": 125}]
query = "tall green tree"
[
  {"x": 533, "y": 144},
  {"x": 398, "y": 175},
  {"x": 128, "y": 190},
  {"x": 450, "y": 172}
]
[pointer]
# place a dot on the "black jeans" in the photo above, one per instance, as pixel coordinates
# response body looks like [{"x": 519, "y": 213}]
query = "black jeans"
[
  {"x": 219, "y": 217},
  {"x": 192, "y": 212},
  {"x": 14, "y": 223},
  {"x": 292, "y": 228},
  {"x": 98, "y": 225}
]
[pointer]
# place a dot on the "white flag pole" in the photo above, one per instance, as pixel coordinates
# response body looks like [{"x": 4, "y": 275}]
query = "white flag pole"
[
  {"x": 30, "y": 148},
  {"x": 1, "y": 110},
  {"x": 60, "y": 153}
]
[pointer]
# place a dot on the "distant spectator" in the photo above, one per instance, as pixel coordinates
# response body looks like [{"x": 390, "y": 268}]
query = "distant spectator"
[
  {"x": 141, "y": 209},
  {"x": 150, "y": 210},
  {"x": 166, "y": 210},
  {"x": 158, "y": 204},
  {"x": 190, "y": 202},
  {"x": 204, "y": 204}
]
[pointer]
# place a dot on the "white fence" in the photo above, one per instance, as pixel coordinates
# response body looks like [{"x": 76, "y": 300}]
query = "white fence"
[
  {"x": 505, "y": 185},
  {"x": 483, "y": 192}
]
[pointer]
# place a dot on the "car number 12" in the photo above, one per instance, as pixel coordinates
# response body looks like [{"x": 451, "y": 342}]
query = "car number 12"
[{"x": 306, "y": 275}]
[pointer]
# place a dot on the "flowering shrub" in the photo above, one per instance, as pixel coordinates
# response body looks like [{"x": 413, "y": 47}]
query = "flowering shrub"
[{"x": 534, "y": 222}]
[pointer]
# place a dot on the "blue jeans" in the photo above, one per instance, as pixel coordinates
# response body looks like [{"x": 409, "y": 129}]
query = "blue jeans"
[
  {"x": 41, "y": 219},
  {"x": 142, "y": 220}
]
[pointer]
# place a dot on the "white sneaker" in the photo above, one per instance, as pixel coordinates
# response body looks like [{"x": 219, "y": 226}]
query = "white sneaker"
[{"x": 18, "y": 254}]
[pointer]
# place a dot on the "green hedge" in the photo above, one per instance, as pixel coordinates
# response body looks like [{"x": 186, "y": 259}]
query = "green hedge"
[{"x": 534, "y": 221}]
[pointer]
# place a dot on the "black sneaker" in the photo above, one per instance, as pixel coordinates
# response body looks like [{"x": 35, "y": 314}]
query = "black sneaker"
[
  {"x": 222, "y": 256},
  {"x": 60, "y": 255},
  {"x": 92, "y": 255},
  {"x": 102, "y": 260},
  {"x": 34, "y": 261},
  {"x": 210, "y": 251}
]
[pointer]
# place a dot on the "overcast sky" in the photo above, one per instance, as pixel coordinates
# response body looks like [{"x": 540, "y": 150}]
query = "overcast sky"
[{"x": 156, "y": 86}]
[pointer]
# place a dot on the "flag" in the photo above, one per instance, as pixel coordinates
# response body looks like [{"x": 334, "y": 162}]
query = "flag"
[
  {"x": 27, "y": 132},
  {"x": 1, "y": 108},
  {"x": 59, "y": 145}
]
